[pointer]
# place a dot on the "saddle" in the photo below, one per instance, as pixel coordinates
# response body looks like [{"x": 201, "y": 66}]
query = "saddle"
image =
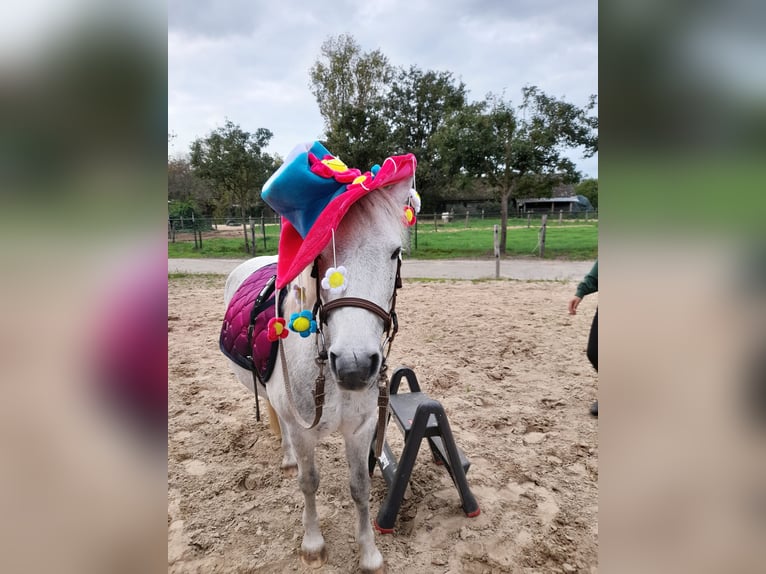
[{"x": 245, "y": 325}]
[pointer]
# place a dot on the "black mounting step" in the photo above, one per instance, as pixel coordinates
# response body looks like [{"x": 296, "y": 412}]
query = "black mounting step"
[{"x": 418, "y": 417}]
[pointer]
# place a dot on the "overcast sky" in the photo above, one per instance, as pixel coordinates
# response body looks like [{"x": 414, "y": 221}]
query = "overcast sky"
[{"x": 248, "y": 60}]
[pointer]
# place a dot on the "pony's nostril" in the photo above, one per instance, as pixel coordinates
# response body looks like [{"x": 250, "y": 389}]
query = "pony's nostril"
[
  {"x": 333, "y": 360},
  {"x": 374, "y": 364}
]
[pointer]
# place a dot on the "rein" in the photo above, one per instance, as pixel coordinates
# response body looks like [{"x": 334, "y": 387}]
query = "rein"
[{"x": 322, "y": 311}]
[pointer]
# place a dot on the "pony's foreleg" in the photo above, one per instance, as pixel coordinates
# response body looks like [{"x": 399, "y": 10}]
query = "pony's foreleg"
[
  {"x": 357, "y": 452},
  {"x": 289, "y": 464},
  {"x": 313, "y": 552},
  {"x": 274, "y": 422}
]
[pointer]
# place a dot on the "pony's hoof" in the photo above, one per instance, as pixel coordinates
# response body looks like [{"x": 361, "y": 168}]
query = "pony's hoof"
[
  {"x": 290, "y": 471},
  {"x": 381, "y": 570},
  {"x": 314, "y": 559}
]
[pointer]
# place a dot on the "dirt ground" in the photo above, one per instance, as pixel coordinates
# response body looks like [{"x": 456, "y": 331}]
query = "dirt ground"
[{"x": 508, "y": 364}]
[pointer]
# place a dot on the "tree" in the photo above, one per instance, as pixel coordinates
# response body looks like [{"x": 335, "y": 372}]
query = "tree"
[
  {"x": 589, "y": 189},
  {"x": 234, "y": 162},
  {"x": 372, "y": 110},
  {"x": 417, "y": 107},
  {"x": 517, "y": 151},
  {"x": 349, "y": 86},
  {"x": 186, "y": 187}
]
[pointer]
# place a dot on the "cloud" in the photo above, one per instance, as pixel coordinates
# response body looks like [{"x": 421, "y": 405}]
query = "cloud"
[
  {"x": 249, "y": 62},
  {"x": 218, "y": 19}
]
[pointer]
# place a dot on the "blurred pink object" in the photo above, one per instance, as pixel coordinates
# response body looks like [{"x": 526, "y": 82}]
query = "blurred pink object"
[{"x": 131, "y": 345}]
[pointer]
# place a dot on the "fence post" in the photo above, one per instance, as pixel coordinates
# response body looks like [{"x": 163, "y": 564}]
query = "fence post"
[
  {"x": 482, "y": 215},
  {"x": 435, "y": 227},
  {"x": 497, "y": 250},
  {"x": 416, "y": 234},
  {"x": 561, "y": 216},
  {"x": 542, "y": 235},
  {"x": 252, "y": 235},
  {"x": 466, "y": 219},
  {"x": 263, "y": 231},
  {"x": 529, "y": 216}
]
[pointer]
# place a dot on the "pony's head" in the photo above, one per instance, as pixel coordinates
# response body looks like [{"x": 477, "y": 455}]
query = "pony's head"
[
  {"x": 347, "y": 226},
  {"x": 368, "y": 244}
]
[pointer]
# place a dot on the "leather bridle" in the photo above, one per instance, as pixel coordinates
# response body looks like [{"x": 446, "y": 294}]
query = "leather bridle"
[
  {"x": 390, "y": 321},
  {"x": 321, "y": 312}
]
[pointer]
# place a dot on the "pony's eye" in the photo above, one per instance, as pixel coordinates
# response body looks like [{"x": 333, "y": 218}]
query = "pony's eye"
[{"x": 396, "y": 253}]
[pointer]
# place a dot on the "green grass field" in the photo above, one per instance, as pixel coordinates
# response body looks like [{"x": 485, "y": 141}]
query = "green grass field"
[
  {"x": 568, "y": 241},
  {"x": 576, "y": 240},
  {"x": 220, "y": 248}
]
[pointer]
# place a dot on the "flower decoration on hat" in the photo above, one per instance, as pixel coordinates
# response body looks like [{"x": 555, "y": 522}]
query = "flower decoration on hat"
[
  {"x": 276, "y": 329},
  {"x": 303, "y": 323},
  {"x": 367, "y": 177},
  {"x": 409, "y": 215},
  {"x": 332, "y": 167},
  {"x": 335, "y": 279}
]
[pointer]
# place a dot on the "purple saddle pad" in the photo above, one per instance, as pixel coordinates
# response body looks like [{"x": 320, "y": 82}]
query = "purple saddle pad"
[{"x": 261, "y": 353}]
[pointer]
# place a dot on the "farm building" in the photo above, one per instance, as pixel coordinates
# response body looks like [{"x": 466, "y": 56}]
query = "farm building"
[
  {"x": 475, "y": 199},
  {"x": 480, "y": 196},
  {"x": 573, "y": 204}
]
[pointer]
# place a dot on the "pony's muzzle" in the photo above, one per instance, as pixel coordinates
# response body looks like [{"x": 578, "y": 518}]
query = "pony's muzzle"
[{"x": 355, "y": 370}]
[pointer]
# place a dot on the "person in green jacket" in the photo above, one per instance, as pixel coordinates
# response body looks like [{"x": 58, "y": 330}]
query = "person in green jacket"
[{"x": 589, "y": 285}]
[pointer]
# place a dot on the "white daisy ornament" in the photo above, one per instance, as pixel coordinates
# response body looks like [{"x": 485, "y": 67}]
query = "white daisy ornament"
[{"x": 335, "y": 279}]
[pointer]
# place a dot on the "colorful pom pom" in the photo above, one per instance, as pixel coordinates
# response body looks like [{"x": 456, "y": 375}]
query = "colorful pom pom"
[
  {"x": 335, "y": 279},
  {"x": 303, "y": 323},
  {"x": 276, "y": 329},
  {"x": 409, "y": 215}
]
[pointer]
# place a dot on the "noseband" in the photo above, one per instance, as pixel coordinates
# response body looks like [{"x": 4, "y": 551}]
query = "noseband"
[{"x": 322, "y": 312}]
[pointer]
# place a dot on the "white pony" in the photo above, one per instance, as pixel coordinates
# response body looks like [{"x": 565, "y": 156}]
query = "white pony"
[{"x": 368, "y": 243}]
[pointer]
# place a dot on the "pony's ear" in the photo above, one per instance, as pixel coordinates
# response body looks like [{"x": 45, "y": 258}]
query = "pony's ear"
[{"x": 401, "y": 190}]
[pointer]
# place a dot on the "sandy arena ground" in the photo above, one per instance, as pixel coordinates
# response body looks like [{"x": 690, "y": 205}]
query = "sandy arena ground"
[{"x": 508, "y": 364}]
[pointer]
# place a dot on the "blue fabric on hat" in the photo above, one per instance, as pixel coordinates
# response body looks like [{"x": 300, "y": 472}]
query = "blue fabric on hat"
[{"x": 296, "y": 193}]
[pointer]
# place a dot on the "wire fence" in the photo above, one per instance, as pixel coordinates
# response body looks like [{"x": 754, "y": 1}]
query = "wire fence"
[
  {"x": 439, "y": 219},
  {"x": 263, "y": 232}
]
